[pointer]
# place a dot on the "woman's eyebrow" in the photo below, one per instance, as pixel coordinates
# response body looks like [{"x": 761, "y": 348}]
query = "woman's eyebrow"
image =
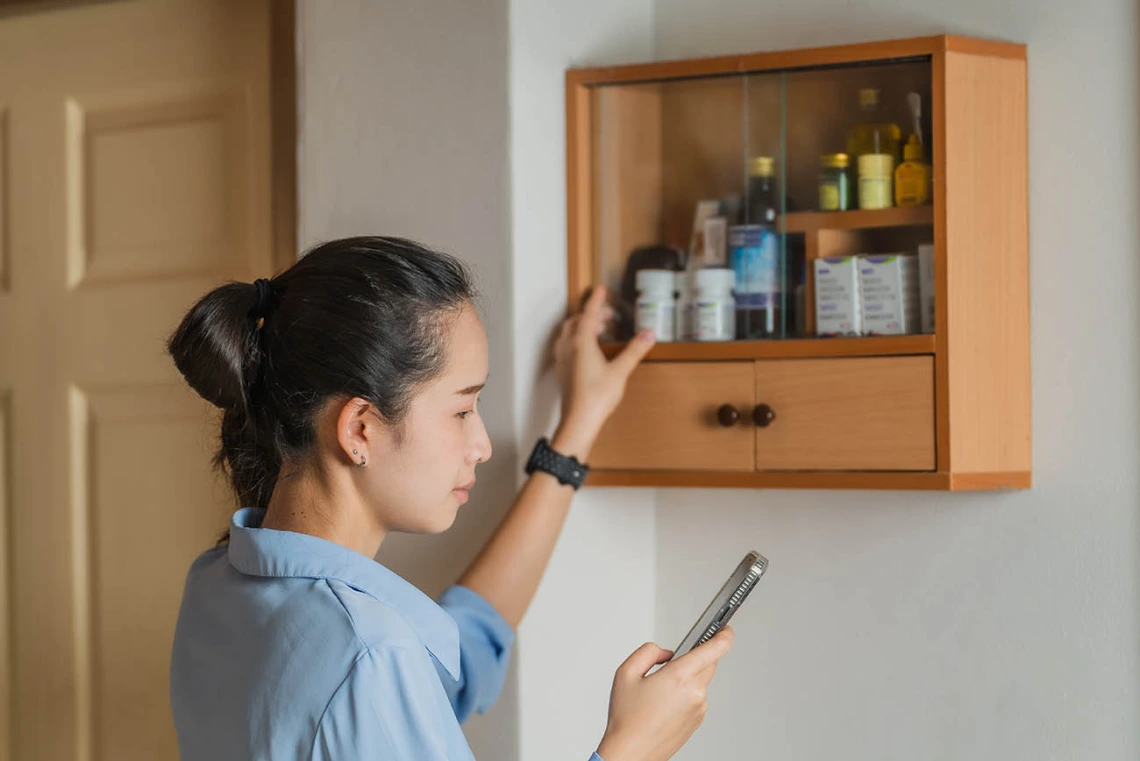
[{"x": 471, "y": 389}]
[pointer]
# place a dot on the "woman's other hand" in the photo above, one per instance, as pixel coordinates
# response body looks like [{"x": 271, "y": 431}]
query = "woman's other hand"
[{"x": 652, "y": 716}]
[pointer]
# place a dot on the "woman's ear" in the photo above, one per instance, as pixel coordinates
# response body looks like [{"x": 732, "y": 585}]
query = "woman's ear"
[{"x": 359, "y": 430}]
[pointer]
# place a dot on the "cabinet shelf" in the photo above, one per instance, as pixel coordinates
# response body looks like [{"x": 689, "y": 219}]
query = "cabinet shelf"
[
  {"x": 800, "y": 348},
  {"x": 860, "y": 219}
]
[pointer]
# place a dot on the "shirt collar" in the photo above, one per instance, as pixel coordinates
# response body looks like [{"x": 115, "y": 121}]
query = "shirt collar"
[{"x": 258, "y": 551}]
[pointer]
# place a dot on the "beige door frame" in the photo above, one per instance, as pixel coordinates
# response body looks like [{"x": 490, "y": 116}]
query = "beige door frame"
[{"x": 283, "y": 95}]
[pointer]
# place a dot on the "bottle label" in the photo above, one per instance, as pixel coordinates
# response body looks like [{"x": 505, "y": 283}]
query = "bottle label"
[
  {"x": 876, "y": 171},
  {"x": 829, "y": 196},
  {"x": 658, "y": 316},
  {"x": 716, "y": 320},
  {"x": 874, "y": 192},
  {"x": 910, "y": 185},
  {"x": 756, "y": 261}
]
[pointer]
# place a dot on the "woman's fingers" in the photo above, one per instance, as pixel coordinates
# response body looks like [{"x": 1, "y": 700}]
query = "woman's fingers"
[
  {"x": 592, "y": 314},
  {"x": 633, "y": 353}
]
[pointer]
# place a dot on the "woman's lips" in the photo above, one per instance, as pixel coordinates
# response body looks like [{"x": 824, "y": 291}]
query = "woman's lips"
[{"x": 463, "y": 492}]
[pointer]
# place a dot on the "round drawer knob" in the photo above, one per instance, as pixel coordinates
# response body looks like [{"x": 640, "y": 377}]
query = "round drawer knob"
[
  {"x": 763, "y": 415},
  {"x": 727, "y": 415}
]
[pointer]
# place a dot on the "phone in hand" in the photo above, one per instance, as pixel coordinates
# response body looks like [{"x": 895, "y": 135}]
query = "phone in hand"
[{"x": 727, "y": 601}]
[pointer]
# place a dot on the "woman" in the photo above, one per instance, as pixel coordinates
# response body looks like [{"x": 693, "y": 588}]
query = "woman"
[{"x": 349, "y": 385}]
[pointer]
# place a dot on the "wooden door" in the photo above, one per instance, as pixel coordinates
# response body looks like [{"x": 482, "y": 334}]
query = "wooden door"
[
  {"x": 875, "y": 413},
  {"x": 136, "y": 172}
]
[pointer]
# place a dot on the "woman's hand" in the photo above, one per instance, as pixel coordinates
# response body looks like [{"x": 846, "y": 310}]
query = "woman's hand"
[
  {"x": 651, "y": 717},
  {"x": 592, "y": 386}
]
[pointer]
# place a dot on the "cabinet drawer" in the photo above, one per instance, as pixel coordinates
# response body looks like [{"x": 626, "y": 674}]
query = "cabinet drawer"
[
  {"x": 668, "y": 419},
  {"x": 847, "y": 414}
]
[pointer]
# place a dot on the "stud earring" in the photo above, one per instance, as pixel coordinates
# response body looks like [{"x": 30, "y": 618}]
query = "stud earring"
[{"x": 355, "y": 452}]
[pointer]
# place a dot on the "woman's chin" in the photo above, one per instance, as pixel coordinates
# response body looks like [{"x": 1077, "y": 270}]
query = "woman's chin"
[{"x": 445, "y": 519}]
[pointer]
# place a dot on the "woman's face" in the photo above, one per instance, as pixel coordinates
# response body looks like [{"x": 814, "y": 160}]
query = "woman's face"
[{"x": 417, "y": 480}]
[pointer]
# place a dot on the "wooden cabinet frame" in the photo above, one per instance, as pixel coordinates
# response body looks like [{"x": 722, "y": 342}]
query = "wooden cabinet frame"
[{"x": 980, "y": 220}]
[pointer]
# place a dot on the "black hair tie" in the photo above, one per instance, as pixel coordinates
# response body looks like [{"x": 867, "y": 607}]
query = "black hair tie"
[{"x": 264, "y": 301}]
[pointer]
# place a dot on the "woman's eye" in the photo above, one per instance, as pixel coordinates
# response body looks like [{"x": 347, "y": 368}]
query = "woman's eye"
[{"x": 463, "y": 415}]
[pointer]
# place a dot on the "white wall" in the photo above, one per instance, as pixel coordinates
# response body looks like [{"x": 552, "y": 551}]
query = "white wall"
[
  {"x": 891, "y": 625},
  {"x": 991, "y": 626},
  {"x": 595, "y": 605},
  {"x": 404, "y": 131}
]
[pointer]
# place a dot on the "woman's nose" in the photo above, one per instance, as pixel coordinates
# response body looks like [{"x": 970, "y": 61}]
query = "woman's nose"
[{"x": 481, "y": 451}]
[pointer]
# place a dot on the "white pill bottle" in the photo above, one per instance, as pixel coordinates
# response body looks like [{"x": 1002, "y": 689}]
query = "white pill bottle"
[
  {"x": 657, "y": 303},
  {"x": 715, "y": 318}
]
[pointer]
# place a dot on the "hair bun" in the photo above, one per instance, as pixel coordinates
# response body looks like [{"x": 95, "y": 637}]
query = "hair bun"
[{"x": 214, "y": 345}]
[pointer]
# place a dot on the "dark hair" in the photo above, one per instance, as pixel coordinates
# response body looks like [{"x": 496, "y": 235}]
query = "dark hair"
[{"x": 359, "y": 317}]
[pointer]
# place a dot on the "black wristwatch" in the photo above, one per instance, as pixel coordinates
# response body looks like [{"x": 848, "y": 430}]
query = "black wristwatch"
[{"x": 566, "y": 469}]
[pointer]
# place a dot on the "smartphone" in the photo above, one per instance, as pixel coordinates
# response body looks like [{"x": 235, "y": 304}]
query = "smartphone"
[{"x": 727, "y": 601}]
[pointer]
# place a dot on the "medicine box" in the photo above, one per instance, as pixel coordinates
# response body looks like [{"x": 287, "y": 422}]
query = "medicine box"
[
  {"x": 888, "y": 286},
  {"x": 837, "y": 304}
]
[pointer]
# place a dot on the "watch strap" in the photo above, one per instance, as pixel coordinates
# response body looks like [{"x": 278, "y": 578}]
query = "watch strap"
[{"x": 568, "y": 470}]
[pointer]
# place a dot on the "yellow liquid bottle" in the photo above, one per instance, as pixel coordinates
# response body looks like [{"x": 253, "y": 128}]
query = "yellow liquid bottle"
[
  {"x": 912, "y": 178},
  {"x": 873, "y": 145},
  {"x": 873, "y": 133}
]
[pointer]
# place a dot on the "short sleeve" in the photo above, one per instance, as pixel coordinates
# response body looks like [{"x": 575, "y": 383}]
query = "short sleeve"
[
  {"x": 388, "y": 707},
  {"x": 485, "y": 640}
]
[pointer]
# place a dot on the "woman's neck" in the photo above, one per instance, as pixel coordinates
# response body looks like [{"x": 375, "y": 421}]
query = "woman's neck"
[{"x": 325, "y": 505}]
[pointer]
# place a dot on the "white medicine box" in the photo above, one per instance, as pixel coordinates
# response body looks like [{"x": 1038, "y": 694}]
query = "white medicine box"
[
  {"x": 838, "y": 310},
  {"x": 889, "y": 289}
]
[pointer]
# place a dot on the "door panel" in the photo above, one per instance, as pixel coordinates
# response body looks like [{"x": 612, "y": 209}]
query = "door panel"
[
  {"x": 847, "y": 414},
  {"x": 138, "y": 529},
  {"x": 178, "y": 149},
  {"x": 668, "y": 419}
]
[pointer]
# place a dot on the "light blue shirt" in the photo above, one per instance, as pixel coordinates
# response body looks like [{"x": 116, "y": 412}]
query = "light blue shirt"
[{"x": 289, "y": 646}]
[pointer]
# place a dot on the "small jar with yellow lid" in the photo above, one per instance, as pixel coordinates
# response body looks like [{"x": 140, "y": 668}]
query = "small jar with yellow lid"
[{"x": 834, "y": 182}]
